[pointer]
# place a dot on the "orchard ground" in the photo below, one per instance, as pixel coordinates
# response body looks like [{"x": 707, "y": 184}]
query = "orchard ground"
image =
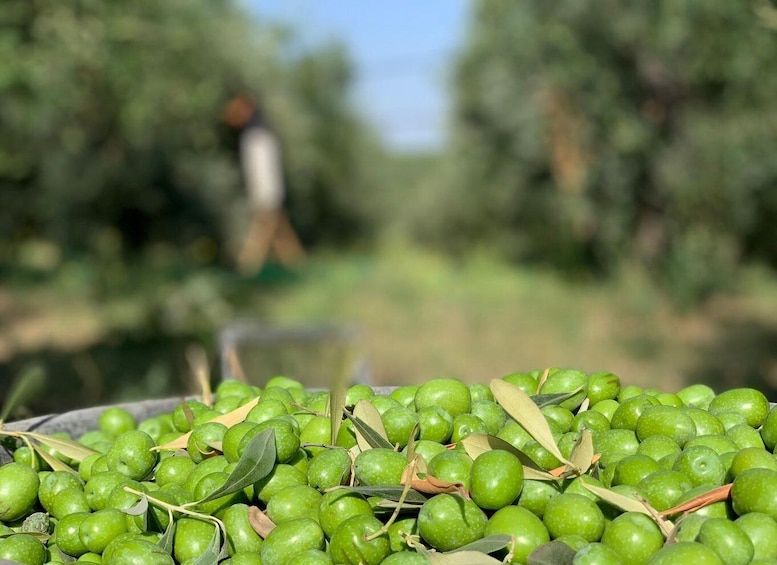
[{"x": 118, "y": 332}]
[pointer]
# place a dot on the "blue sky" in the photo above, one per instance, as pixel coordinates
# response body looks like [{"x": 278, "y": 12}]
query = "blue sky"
[{"x": 402, "y": 52}]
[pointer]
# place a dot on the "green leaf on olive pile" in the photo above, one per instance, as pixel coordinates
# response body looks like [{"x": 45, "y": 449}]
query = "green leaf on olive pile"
[
  {"x": 256, "y": 463},
  {"x": 553, "y": 553},
  {"x": 488, "y": 544},
  {"x": 336, "y": 408},
  {"x": 389, "y": 493},
  {"x": 215, "y": 552},
  {"x": 167, "y": 540},
  {"x": 549, "y": 399},
  {"x": 368, "y": 426},
  {"x": 521, "y": 408}
]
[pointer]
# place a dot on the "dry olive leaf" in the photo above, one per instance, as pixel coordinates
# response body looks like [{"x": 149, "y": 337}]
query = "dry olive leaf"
[
  {"x": 198, "y": 363},
  {"x": 629, "y": 505},
  {"x": 260, "y": 521},
  {"x": 712, "y": 496},
  {"x": 368, "y": 426},
  {"x": 235, "y": 367},
  {"x": 66, "y": 447},
  {"x": 582, "y": 456},
  {"x": 433, "y": 485},
  {"x": 616, "y": 499},
  {"x": 542, "y": 379},
  {"x": 477, "y": 444},
  {"x": 229, "y": 419},
  {"x": 429, "y": 484},
  {"x": 521, "y": 408},
  {"x": 53, "y": 462}
]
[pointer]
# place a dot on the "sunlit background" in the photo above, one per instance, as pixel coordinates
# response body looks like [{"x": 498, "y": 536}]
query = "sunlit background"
[{"x": 480, "y": 187}]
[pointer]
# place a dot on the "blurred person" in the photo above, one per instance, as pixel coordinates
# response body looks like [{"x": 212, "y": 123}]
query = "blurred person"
[{"x": 260, "y": 159}]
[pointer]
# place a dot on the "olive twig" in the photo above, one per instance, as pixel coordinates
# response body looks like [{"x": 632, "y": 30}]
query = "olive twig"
[
  {"x": 410, "y": 473},
  {"x": 183, "y": 508}
]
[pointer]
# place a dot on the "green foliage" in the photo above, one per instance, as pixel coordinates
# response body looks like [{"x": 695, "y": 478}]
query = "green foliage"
[
  {"x": 589, "y": 131},
  {"x": 111, "y": 120}
]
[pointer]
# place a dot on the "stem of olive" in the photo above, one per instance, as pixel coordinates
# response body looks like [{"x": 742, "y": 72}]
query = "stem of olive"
[
  {"x": 392, "y": 519},
  {"x": 183, "y": 509}
]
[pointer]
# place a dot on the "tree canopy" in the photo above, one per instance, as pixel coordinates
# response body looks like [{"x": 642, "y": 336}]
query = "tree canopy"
[{"x": 587, "y": 132}]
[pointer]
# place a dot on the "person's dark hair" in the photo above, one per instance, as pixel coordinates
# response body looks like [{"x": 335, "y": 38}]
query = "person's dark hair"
[{"x": 245, "y": 111}]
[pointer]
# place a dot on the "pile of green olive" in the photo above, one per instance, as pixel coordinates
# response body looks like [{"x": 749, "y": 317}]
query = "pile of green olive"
[{"x": 555, "y": 466}]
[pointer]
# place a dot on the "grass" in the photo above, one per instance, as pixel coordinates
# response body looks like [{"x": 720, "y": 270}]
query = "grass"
[
  {"x": 421, "y": 315},
  {"x": 427, "y": 316}
]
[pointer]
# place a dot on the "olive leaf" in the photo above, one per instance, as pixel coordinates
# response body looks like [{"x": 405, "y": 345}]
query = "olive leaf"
[
  {"x": 411, "y": 444},
  {"x": 53, "y": 462},
  {"x": 229, "y": 419},
  {"x": 257, "y": 462},
  {"x": 390, "y": 493},
  {"x": 582, "y": 455},
  {"x": 43, "y": 537},
  {"x": 521, "y": 408},
  {"x": 215, "y": 446},
  {"x": 488, "y": 544},
  {"x": 616, "y": 499},
  {"x": 716, "y": 494},
  {"x": 28, "y": 383},
  {"x": 542, "y": 379},
  {"x": 386, "y": 504},
  {"x": 433, "y": 485},
  {"x": 553, "y": 553},
  {"x": 368, "y": 426},
  {"x": 336, "y": 408},
  {"x": 549, "y": 399},
  {"x": 260, "y": 522},
  {"x": 167, "y": 539},
  {"x": 212, "y": 554},
  {"x": 140, "y": 509},
  {"x": 198, "y": 363},
  {"x": 66, "y": 447},
  {"x": 188, "y": 414},
  {"x": 462, "y": 558},
  {"x": 476, "y": 444}
]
